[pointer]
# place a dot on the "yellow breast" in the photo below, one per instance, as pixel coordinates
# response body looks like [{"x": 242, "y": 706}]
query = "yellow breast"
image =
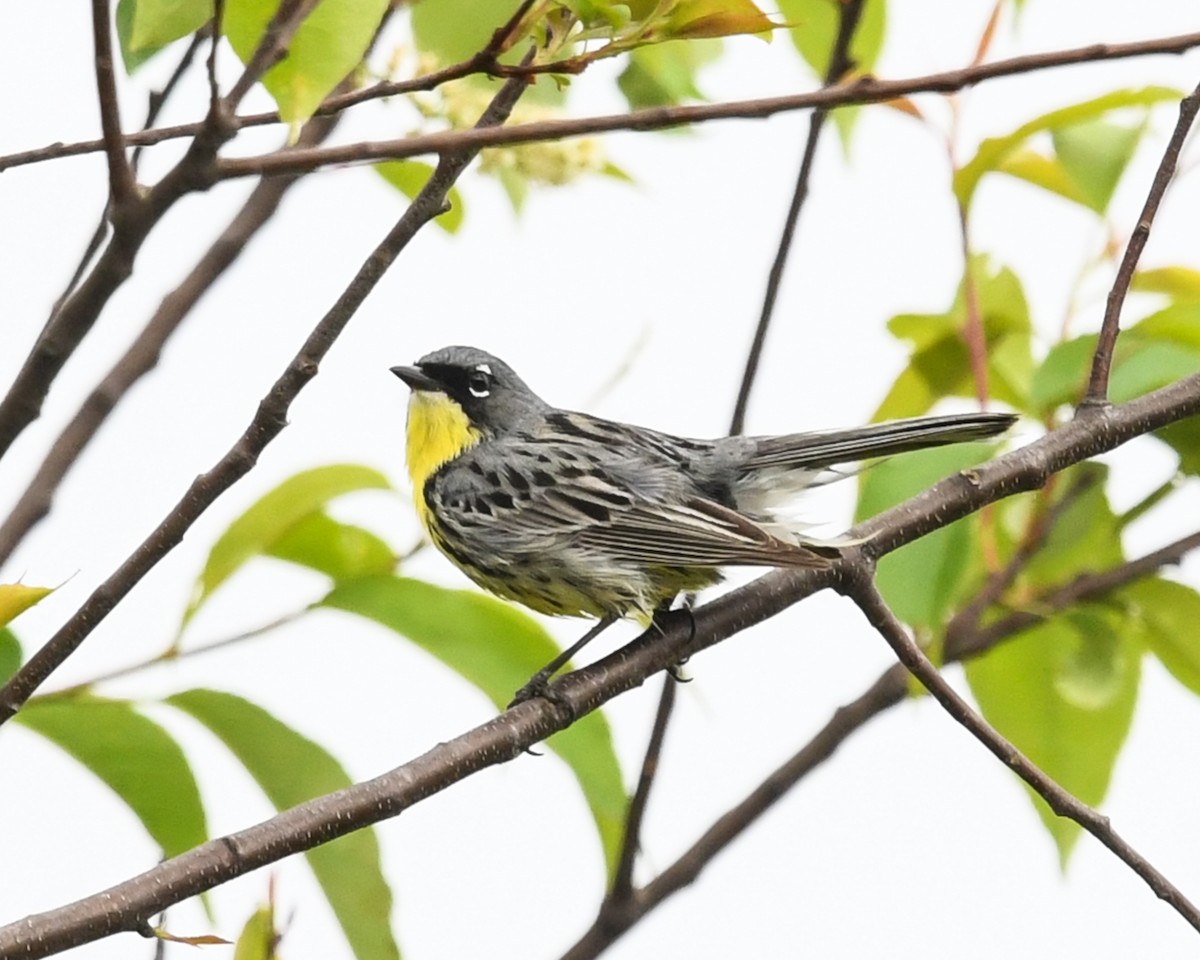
[{"x": 438, "y": 431}]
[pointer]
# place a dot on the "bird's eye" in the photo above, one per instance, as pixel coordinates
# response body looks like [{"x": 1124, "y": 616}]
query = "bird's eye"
[{"x": 479, "y": 383}]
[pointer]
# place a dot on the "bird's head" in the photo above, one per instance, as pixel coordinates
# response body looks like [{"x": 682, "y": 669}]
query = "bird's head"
[{"x": 470, "y": 387}]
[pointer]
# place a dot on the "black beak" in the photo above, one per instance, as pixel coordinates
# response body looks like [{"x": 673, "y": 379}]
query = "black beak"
[{"x": 416, "y": 379}]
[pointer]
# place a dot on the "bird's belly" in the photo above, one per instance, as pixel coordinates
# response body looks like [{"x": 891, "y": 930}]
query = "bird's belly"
[{"x": 591, "y": 585}]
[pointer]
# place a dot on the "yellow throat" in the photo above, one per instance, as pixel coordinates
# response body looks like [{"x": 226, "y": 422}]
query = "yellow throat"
[{"x": 438, "y": 431}]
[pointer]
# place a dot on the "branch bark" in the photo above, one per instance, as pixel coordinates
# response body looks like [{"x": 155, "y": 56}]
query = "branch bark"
[
  {"x": 128, "y": 905},
  {"x": 267, "y": 423}
]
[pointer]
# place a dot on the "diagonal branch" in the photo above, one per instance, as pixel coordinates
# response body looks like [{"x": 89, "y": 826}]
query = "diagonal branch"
[
  {"x": 267, "y": 423},
  {"x": 128, "y": 905},
  {"x": 889, "y": 690},
  {"x": 1097, "y": 388},
  {"x": 865, "y": 90},
  {"x": 143, "y": 354},
  {"x": 122, "y": 187},
  {"x": 859, "y": 586},
  {"x": 839, "y": 65}
]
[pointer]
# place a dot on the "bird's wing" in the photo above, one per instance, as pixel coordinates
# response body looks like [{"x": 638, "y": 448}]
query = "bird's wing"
[
  {"x": 803, "y": 451},
  {"x": 518, "y": 498}
]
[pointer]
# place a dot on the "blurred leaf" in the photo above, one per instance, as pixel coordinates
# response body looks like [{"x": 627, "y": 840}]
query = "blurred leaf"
[
  {"x": 696, "y": 19},
  {"x": 11, "y": 657},
  {"x": 1094, "y": 155},
  {"x": 146, "y": 26},
  {"x": 456, "y": 30},
  {"x": 1062, "y": 376},
  {"x": 329, "y": 44},
  {"x": 994, "y": 151},
  {"x": 291, "y": 769},
  {"x": 134, "y": 756},
  {"x": 1041, "y": 171},
  {"x": 16, "y": 598},
  {"x": 339, "y": 550},
  {"x": 1154, "y": 365},
  {"x": 1170, "y": 612},
  {"x": 922, "y": 581},
  {"x": 1064, "y": 693},
  {"x": 515, "y": 184},
  {"x": 1179, "y": 283},
  {"x": 258, "y": 937},
  {"x": 497, "y": 648},
  {"x": 940, "y": 365},
  {"x": 1178, "y": 324},
  {"x": 259, "y": 529},
  {"x": 664, "y": 74},
  {"x": 813, "y": 26},
  {"x": 200, "y": 940},
  {"x": 1085, "y": 534},
  {"x": 410, "y": 177}
]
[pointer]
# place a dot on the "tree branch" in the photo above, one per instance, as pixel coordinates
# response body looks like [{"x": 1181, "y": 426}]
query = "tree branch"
[
  {"x": 122, "y": 187},
  {"x": 1097, "y": 388},
  {"x": 127, "y": 905},
  {"x": 860, "y": 587},
  {"x": 963, "y": 640},
  {"x": 839, "y": 65},
  {"x": 864, "y": 90},
  {"x": 269, "y": 420},
  {"x": 143, "y": 354}
]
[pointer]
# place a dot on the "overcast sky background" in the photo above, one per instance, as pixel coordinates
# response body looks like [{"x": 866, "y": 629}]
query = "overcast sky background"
[{"x": 913, "y": 840}]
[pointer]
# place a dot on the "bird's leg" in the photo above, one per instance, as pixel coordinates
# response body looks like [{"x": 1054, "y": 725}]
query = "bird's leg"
[
  {"x": 685, "y": 609},
  {"x": 538, "y": 685}
]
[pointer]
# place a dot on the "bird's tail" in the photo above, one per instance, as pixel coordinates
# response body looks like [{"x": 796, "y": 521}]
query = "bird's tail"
[{"x": 827, "y": 448}]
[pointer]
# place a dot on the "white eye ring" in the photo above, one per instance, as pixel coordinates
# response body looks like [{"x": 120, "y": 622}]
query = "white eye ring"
[{"x": 479, "y": 382}]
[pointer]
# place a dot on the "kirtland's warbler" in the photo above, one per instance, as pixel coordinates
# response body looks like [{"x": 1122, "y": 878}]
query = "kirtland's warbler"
[{"x": 572, "y": 514}]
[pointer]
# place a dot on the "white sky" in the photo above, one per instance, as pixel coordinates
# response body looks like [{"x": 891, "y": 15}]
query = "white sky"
[{"x": 911, "y": 842}]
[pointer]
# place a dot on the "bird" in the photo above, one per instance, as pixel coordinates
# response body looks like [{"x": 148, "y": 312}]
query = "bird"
[{"x": 571, "y": 514}]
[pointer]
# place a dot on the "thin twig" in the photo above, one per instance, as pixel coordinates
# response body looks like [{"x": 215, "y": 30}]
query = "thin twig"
[
  {"x": 622, "y": 888},
  {"x": 143, "y": 354},
  {"x": 267, "y": 423},
  {"x": 129, "y": 904},
  {"x": 860, "y": 587},
  {"x": 839, "y": 65},
  {"x": 889, "y": 690},
  {"x": 122, "y": 187},
  {"x": 864, "y": 90},
  {"x": 1097, "y": 389}
]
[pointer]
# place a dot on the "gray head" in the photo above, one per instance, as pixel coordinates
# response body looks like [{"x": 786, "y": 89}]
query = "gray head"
[{"x": 494, "y": 398}]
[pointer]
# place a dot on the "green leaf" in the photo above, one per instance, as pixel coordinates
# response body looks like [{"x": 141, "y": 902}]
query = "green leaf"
[
  {"x": 940, "y": 364},
  {"x": 258, "y": 937},
  {"x": 1178, "y": 324},
  {"x": 1154, "y": 365},
  {"x": 696, "y": 19},
  {"x": 410, "y": 177},
  {"x": 146, "y": 26},
  {"x": 994, "y": 151},
  {"x": 1170, "y": 612},
  {"x": 1062, "y": 377},
  {"x": 456, "y": 30},
  {"x": 664, "y": 74},
  {"x": 11, "y": 657},
  {"x": 1179, "y": 283},
  {"x": 1042, "y": 171},
  {"x": 134, "y": 756},
  {"x": 1094, "y": 154},
  {"x": 923, "y": 580},
  {"x": 267, "y": 522},
  {"x": 291, "y": 769},
  {"x": 339, "y": 550},
  {"x": 814, "y": 29},
  {"x": 1064, "y": 694},
  {"x": 497, "y": 648},
  {"x": 1085, "y": 534},
  {"x": 16, "y": 598},
  {"x": 329, "y": 44}
]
